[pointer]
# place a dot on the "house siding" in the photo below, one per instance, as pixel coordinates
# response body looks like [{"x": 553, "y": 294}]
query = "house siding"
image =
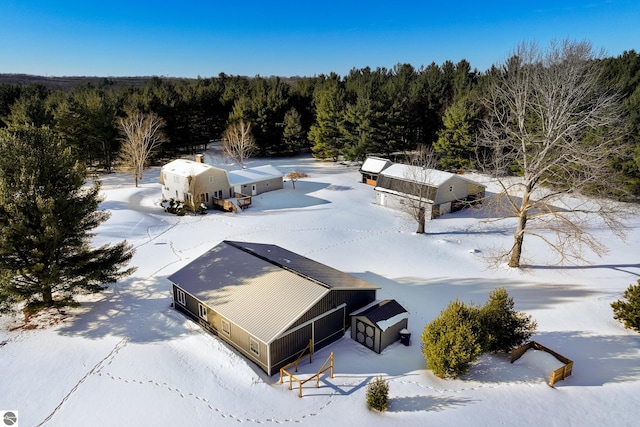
[
  {"x": 286, "y": 349},
  {"x": 353, "y": 300},
  {"x": 211, "y": 180}
]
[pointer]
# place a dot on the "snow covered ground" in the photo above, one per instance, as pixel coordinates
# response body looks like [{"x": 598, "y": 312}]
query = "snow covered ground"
[{"x": 125, "y": 357}]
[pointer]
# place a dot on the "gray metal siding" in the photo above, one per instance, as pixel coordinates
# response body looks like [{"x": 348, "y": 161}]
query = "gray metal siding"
[
  {"x": 354, "y": 300},
  {"x": 392, "y": 334},
  {"x": 191, "y": 303},
  {"x": 329, "y": 329},
  {"x": 240, "y": 339},
  {"x": 286, "y": 349}
]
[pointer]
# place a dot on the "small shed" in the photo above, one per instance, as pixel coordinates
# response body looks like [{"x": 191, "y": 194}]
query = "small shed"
[
  {"x": 254, "y": 181},
  {"x": 372, "y": 167},
  {"x": 378, "y": 325}
]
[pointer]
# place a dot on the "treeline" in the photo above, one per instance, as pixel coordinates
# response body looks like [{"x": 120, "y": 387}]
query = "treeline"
[{"x": 368, "y": 111}]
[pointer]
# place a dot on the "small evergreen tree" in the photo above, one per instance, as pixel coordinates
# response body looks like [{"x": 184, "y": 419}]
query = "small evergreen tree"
[
  {"x": 452, "y": 341},
  {"x": 628, "y": 312},
  {"x": 503, "y": 327},
  {"x": 378, "y": 394}
]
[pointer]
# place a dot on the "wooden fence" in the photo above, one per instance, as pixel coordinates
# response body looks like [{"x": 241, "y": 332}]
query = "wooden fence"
[
  {"x": 326, "y": 366},
  {"x": 557, "y": 375}
]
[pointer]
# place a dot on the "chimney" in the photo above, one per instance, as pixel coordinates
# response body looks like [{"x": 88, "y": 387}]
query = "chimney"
[{"x": 199, "y": 158}]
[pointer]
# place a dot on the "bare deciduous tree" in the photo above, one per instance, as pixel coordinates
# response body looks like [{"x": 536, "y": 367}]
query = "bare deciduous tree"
[
  {"x": 141, "y": 135},
  {"x": 293, "y": 176},
  {"x": 238, "y": 142},
  {"x": 550, "y": 121},
  {"x": 416, "y": 185}
]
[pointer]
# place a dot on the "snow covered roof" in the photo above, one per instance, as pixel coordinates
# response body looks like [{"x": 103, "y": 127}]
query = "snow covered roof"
[
  {"x": 383, "y": 313},
  {"x": 251, "y": 175},
  {"x": 375, "y": 164},
  {"x": 433, "y": 177},
  {"x": 184, "y": 167}
]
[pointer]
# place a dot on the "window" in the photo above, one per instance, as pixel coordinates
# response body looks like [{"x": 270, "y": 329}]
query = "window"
[
  {"x": 226, "y": 328},
  {"x": 254, "y": 346},
  {"x": 180, "y": 297},
  {"x": 451, "y": 188},
  {"x": 202, "y": 311},
  {"x": 212, "y": 180},
  {"x": 176, "y": 179}
]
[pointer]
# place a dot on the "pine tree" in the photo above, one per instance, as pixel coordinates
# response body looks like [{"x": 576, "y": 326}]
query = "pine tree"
[
  {"x": 325, "y": 132},
  {"x": 452, "y": 341},
  {"x": 46, "y": 215},
  {"x": 504, "y": 327},
  {"x": 378, "y": 394},
  {"x": 628, "y": 312}
]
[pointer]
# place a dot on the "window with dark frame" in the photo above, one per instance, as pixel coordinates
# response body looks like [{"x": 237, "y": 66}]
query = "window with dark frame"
[
  {"x": 226, "y": 327},
  {"x": 202, "y": 311},
  {"x": 180, "y": 297},
  {"x": 254, "y": 346}
]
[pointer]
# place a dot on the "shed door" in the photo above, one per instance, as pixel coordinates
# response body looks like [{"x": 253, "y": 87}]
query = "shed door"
[
  {"x": 253, "y": 190},
  {"x": 365, "y": 334}
]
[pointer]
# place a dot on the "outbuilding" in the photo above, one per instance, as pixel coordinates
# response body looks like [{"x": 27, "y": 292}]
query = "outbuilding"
[
  {"x": 257, "y": 180},
  {"x": 371, "y": 168},
  {"x": 268, "y": 302},
  {"x": 379, "y": 324},
  {"x": 440, "y": 192}
]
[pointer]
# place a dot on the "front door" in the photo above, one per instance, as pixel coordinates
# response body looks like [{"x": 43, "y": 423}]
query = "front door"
[{"x": 253, "y": 190}]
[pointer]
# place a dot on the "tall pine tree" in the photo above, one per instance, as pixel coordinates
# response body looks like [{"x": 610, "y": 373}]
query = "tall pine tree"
[{"x": 46, "y": 217}]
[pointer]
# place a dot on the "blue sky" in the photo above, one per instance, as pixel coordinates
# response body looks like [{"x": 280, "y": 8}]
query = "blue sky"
[{"x": 204, "y": 38}]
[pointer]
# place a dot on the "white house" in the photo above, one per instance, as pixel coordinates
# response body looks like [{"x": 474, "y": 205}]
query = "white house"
[{"x": 181, "y": 179}]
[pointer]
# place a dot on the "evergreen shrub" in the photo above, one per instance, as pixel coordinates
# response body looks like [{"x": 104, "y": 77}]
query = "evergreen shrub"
[
  {"x": 378, "y": 394},
  {"x": 628, "y": 312}
]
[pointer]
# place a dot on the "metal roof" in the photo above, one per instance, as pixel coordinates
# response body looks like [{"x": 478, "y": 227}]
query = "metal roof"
[
  {"x": 383, "y": 313},
  {"x": 251, "y": 175},
  {"x": 325, "y": 275},
  {"x": 381, "y": 310},
  {"x": 254, "y": 292},
  {"x": 431, "y": 177},
  {"x": 375, "y": 164}
]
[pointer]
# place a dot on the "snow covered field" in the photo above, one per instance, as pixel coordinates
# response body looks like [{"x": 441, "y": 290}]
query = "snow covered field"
[{"x": 125, "y": 357}]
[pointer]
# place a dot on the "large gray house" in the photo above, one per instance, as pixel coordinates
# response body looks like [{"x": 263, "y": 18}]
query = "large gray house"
[{"x": 268, "y": 302}]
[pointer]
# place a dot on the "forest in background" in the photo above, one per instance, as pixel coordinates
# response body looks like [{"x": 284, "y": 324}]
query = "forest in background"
[{"x": 378, "y": 111}]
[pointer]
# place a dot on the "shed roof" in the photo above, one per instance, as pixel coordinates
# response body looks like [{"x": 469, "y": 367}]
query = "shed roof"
[
  {"x": 247, "y": 284},
  {"x": 375, "y": 164},
  {"x": 383, "y": 313},
  {"x": 251, "y": 175},
  {"x": 184, "y": 167},
  {"x": 432, "y": 177}
]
